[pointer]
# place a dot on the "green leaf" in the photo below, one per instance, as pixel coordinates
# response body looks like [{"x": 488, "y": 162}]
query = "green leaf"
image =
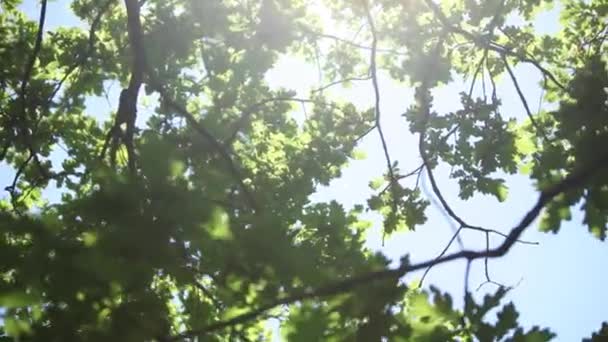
[
  {"x": 219, "y": 225},
  {"x": 501, "y": 192},
  {"x": 16, "y": 328},
  {"x": 17, "y": 299},
  {"x": 358, "y": 154},
  {"x": 376, "y": 183}
]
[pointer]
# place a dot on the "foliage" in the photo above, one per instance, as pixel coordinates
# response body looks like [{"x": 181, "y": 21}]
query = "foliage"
[{"x": 198, "y": 223}]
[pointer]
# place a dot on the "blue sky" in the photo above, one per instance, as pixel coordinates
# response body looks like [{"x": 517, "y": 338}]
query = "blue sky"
[{"x": 561, "y": 284}]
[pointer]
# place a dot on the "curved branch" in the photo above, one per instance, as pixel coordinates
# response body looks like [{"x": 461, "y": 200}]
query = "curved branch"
[
  {"x": 574, "y": 180},
  {"x": 448, "y": 209},
  {"x": 522, "y": 97},
  {"x": 344, "y": 80},
  {"x": 378, "y": 124},
  {"x": 202, "y": 130}
]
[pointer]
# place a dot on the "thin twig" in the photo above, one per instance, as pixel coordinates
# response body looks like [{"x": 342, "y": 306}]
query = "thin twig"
[
  {"x": 445, "y": 249},
  {"x": 467, "y": 294},
  {"x": 477, "y": 70},
  {"x": 435, "y": 187},
  {"x": 416, "y": 171},
  {"x": 426, "y": 111},
  {"x": 485, "y": 265},
  {"x": 248, "y": 112},
  {"x": 351, "y": 43},
  {"x": 364, "y": 134},
  {"x": 12, "y": 189},
  {"x": 522, "y": 97},
  {"x": 494, "y": 231},
  {"x": 341, "y": 81},
  {"x": 493, "y": 83}
]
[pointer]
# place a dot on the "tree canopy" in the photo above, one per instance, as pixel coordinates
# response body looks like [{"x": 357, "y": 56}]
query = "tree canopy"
[{"x": 197, "y": 224}]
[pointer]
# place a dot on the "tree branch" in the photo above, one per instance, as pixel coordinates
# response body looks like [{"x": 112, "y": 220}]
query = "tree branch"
[
  {"x": 90, "y": 49},
  {"x": 445, "y": 249},
  {"x": 247, "y": 112},
  {"x": 241, "y": 122},
  {"x": 351, "y": 43},
  {"x": 27, "y": 75},
  {"x": 139, "y": 67},
  {"x": 485, "y": 266},
  {"x": 522, "y": 97},
  {"x": 489, "y": 44},
  {"x": 202, "y": 130},
  {"x": 572, "y": 181},
  {"x": 378, "y": 124},
  {"x": 341, "y": 81}
]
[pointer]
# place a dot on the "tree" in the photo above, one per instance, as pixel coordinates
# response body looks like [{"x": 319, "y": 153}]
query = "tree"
[{"x": 197, "y": 225}]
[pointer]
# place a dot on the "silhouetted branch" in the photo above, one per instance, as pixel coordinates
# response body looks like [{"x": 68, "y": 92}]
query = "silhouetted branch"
[
  {"x": 448, "y": 209},
  {"x": 30, "y": 65},
  {"x": 351, "y": 43},
  {"x": 489, "y": 44},
  {"x": 341, "y": 81},
  {"x": 572, "y": 181},
  {"x": 90, "y": 49},
  {"x": 378, "y": 125},
  {"x": 21, "y": 120},
  {"x": 522, "y": 97},
  {"x": 493, "y": 231},
  {"x": 466, "y": 296},
  {"x": 368, "y": 131},
  {"x": 415, "y": 172},
  {"x": 445, "y": 249},
  {"x": 127, "y": 104},
  {"x": 485, "y": 266},
  {"x": 202, "y": 130},
  {"x": 246, "y": 115},
  {"x": 140, "y": 67},
  {"x": 493, "y": 83},
  {"x": 12, "y": 189},
  {"x": 477, "y": 70}
]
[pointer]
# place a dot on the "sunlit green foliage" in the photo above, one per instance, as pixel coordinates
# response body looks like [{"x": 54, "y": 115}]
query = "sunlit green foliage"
[{"x": 212, "y": 237}]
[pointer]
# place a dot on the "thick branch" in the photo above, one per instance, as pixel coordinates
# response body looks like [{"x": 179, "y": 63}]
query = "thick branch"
[{"x": 30, "y": 65}]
